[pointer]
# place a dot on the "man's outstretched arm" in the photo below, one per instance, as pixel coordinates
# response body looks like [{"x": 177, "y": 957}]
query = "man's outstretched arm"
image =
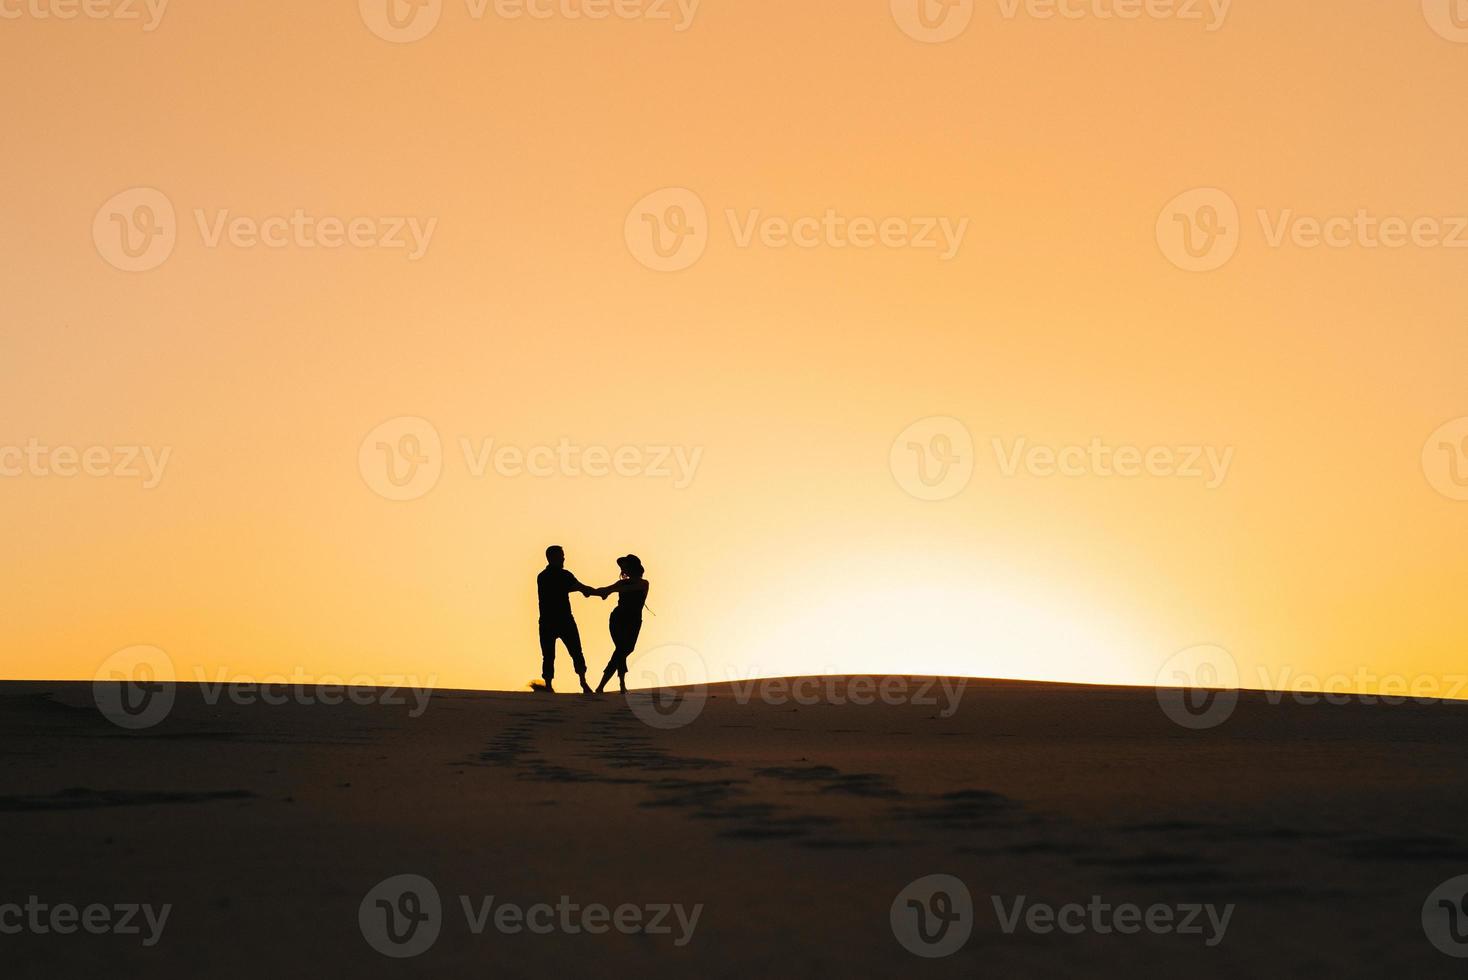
[{"x": 573, "y": 585}]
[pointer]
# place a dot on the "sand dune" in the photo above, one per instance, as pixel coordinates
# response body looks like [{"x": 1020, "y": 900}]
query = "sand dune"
[{"x": 763, "y": 837}]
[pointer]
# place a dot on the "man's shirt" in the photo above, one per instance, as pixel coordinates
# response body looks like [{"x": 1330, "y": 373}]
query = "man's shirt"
[{"x": 555, "y": 586}]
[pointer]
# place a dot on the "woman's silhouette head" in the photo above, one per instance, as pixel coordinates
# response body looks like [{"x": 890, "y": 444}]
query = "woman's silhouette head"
[{"x": 631, "y": 566}]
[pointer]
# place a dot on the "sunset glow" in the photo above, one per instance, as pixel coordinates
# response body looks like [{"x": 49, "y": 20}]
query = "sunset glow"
[{"x": 433, "y": 304}]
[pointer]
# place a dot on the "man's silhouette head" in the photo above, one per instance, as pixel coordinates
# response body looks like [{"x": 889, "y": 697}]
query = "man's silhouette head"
[{"x": 555, "y": 557}]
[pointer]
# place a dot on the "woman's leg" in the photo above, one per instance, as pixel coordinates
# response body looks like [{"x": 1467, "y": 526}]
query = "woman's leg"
[
  {"x": 606, "y": 675},
  {"x": 616, "y": 665},
  {"x": 618, "y": 625},
  {"x": 628, "y": 644},
  {"x": 620, "y": 659}
]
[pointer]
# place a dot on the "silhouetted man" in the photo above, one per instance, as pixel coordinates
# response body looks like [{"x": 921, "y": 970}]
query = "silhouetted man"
[{"x": 555, "y": 586}]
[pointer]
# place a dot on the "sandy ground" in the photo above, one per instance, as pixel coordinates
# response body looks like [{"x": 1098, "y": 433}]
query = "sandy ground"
[{"x": 794, "y": 827}]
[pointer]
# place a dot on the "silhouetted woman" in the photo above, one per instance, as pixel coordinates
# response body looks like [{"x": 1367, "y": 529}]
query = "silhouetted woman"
[{"x": 626, "y": 619}]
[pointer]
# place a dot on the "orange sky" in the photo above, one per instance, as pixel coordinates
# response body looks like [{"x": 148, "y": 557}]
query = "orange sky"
[{"x": 1035, "y": 154}]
